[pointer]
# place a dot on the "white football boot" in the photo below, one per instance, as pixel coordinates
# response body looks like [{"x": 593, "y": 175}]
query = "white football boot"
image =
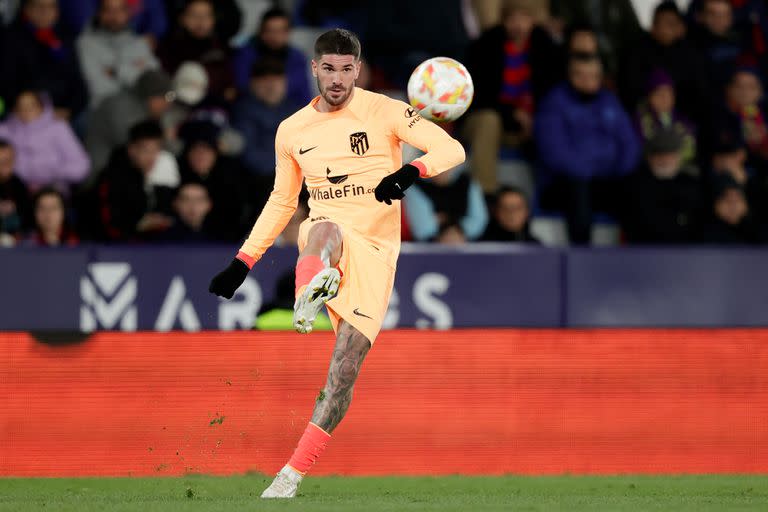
[
  {"x": 285, "y": 484},
  {"x": 322, "y": 288}
]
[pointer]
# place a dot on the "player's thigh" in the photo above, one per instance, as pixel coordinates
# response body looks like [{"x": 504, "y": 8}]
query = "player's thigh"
[{"x": 317, "y": 235}]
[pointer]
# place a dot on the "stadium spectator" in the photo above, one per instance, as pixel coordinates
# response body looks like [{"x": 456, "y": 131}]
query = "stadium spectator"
[
  {"x": 448, "y": 208},
  {"x": 666, "y": 48},
  {"x": 662, "y": 201},
  {"x": 510, "y": 218},
  {"x": 745, "y": 114},
  {"x": 615, "y": 22},
  {"x": 191, "y": 207},
  {"x": 258, "y": 113},
  {"x": 36, "y": 57},
  {"x": 130, "y": 205},
  {"x": 14, "y": 196},
  {"x": 717, "y": 40},
  {"x": 272, "y": 43},
  {"x": 223, "y": 177},
  {"x": 227, "y": 12},
  {"x": 47, "y": 150},
  {"x": 112, "y": 55},
  {"x": 659, "y": 112},
  {"x": 512, "y": 66},
  {"x": 750, "y": 21},
  {"x": 581, "y": 38},
  {"x": 195, "y": 39},
  {"x": 147, "y": 17},
  {"x": 50, "y": 221},
  {"x": 586, "y": 142},
  {"x": 111, "y": 121},
  {"x": 732, "y": 223}
]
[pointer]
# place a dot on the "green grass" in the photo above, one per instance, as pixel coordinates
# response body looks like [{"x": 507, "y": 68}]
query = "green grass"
[{"x": 338, "y": 494}]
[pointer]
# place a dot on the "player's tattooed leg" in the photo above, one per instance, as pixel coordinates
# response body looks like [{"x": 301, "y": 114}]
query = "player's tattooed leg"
[{"x": 348, "y": 355}]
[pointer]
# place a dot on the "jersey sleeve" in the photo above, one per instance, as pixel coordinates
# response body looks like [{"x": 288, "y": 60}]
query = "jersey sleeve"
[
  {"x": 443, "y": 152},
  {"x": 281, "y": 203}
]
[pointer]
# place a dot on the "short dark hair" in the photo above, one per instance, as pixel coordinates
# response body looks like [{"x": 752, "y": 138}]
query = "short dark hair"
[
  {"x": 337, "y": 42},
  {"x": 274, "y": 12},
  {"x": 669, "y": 6},
  {"x": 144, "y": 130},
  {"x": 267, "y": 67}
]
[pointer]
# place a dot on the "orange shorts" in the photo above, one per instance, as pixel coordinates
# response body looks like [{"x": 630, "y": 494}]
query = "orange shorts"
[{"x": 366, "y": 282}]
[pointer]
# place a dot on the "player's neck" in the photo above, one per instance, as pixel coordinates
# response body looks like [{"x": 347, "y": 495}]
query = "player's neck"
[{"x": 325, "y": 107}]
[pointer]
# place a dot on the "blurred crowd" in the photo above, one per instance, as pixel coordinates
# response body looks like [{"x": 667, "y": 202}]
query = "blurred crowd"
[{"x": 149, "y": 121}]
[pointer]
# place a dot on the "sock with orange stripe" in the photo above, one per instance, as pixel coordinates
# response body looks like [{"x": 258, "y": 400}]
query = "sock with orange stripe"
[
  {"x": 311, "y": 445},
  {"x": 306, "y": 269}
]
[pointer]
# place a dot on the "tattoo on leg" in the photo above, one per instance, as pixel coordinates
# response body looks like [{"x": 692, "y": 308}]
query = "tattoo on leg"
[{"x": 348, "y": 355}]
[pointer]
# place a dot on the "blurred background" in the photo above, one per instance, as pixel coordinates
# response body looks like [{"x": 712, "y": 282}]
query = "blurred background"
[{"x": 616, "y": 177}]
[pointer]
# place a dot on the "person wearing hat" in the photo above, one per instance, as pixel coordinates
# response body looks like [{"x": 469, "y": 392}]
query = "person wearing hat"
[
  {"x": 662, "y": 199},
  {"x": 731, "y": 220},
  {"x": 658, "y": 111},
  {"x": 110, "y": 122}
]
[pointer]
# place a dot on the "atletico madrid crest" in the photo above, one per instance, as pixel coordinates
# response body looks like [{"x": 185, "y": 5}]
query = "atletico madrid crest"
[{"x": 359, "y": 142}]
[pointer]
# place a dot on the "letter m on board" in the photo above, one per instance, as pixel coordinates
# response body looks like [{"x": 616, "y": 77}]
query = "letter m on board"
[{"x": 108, "y": 294}]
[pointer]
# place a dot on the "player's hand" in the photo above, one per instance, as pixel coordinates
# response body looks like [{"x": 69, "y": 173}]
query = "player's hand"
[
  {"x": 393, "y": 187},
  {"x": 229, "y": 280}
]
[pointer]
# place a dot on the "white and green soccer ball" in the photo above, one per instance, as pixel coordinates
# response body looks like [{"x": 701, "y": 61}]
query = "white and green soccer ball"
[{"x": 441, "y": 89}]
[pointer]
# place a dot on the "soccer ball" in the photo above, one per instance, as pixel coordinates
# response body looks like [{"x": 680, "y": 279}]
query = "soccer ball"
[{"x": 441, "y": 89}]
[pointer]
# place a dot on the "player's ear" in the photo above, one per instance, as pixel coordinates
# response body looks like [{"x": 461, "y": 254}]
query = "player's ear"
[{"x": 314, "y": 68}]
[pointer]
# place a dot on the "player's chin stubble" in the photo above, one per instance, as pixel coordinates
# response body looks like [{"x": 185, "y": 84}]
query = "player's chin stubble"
[{"x": 327, "y": 97}]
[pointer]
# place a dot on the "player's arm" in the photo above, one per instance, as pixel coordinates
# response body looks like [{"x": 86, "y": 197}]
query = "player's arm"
[
  {"x": 443, "y": 152},
  {"x": 271, "y": 222}
]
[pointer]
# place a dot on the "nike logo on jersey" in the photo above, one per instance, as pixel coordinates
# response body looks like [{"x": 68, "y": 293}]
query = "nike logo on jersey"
[
  {"x": 358, "y": 313},
  {"x": 302, "y": 150},
  {"x": 335, "y": 179}
]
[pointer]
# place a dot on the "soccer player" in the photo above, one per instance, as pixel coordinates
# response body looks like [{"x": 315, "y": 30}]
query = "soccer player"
[{"x": 346, "y": 144}]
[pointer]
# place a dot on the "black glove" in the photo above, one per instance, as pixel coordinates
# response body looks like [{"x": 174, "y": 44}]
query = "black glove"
[
  {"x": 394, "y": 185},
  {"x": 229, "y": 280}
]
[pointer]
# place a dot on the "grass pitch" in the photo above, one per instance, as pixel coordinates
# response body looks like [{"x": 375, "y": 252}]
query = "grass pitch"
[{"x": 339, "y": 494}]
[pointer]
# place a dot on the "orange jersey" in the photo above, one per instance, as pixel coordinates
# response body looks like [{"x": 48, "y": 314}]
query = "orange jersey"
[{"x": 343, "y": 155}]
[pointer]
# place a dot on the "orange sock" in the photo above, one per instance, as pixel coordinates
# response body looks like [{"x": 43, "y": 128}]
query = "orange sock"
[
  {"x": 311, "y": 445},
  {"x": 306, "y": 269}
]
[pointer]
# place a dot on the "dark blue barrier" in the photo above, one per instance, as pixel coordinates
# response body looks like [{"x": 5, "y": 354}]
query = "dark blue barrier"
[
  {"x": 684, "y": 287},
  {"x": 485, "y": 285}
]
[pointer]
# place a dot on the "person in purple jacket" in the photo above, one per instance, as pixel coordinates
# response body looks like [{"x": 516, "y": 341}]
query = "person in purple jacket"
[
  {"x": 271, "y": 42},
  {"x": 47, "y": 150},
  {"x": 585, "y": 142}
]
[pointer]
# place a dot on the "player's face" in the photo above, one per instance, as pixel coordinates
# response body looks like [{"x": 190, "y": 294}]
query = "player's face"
[{"x": 336, "y": 75}]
